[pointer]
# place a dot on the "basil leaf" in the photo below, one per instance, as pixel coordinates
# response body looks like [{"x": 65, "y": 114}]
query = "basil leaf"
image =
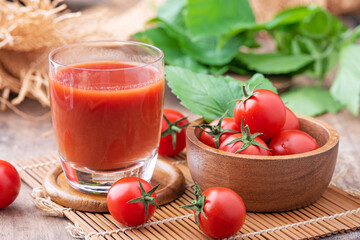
[
  {"x": 274, "y": 63},
  {"x": 207, "y": 49},
  {"x": 173, "y": 54},
  {"x": 206, "y": 18},
  {"x": 207, "y": 95},
  {"x": 290, "y": 16},
  {"x": 318, "y": 25},
  {"x": 346, "y": 87},
  {"x": 310, "y": 101},
  {"x": 171, "y": 14}
]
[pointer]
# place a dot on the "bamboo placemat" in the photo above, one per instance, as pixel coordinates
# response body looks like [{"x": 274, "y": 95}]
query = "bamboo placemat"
[{"x": 335, "y": 212}]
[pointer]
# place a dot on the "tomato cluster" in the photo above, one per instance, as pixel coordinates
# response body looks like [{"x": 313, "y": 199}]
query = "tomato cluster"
[{"x": 262, "y": 125}]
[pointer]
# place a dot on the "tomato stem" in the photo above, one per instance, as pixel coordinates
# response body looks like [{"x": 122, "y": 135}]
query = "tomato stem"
[
  {"x": 197, "y": 204},
  {"x": 247, "y": 138},
  {"x": 173, "y": 128},
  {"x": 215, "y": 130},
  {"x": 146, "y": 198},
  {"x": 247, "y": 93}
]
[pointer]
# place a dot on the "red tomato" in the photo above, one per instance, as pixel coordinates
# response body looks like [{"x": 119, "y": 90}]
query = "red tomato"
[
  {"x": 10, "y": 184},
  {"x": 251, "y": 149},
  {"x": 173, "y": 133},
  {"x": 263, "y": 111},
  {"x": 292, "y": 141},
  {"x": 222, "y": 212},
  {"x": 128, "y": 189},
  {"x": 227, "y": 123},
  {"x": 291, "y": 121}
]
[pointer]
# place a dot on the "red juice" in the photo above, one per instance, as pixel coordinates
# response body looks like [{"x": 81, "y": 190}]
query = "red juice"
[{"x": 106, "y": 115}]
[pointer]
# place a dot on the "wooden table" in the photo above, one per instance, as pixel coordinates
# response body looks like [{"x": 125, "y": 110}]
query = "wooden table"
[{"x": 20, "y": 138}]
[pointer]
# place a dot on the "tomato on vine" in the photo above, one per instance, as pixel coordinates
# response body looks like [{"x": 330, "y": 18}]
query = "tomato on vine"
[
  {"x": 132, "y": 201},
  {"x": 10, "y": 184},
  {"x": 173, "y": 132},
  {"x": 263, "y": 111},
  {"x": 245, "y": 143},
  {"x": 217, "y": 131},
  {"x": 219, "y": 212}
]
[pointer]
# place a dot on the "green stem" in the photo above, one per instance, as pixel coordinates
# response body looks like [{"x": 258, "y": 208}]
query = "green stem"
[{"x": 146, "y": 198}]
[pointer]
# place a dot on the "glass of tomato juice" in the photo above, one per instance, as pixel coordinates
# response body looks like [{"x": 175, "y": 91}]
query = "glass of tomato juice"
[{"x": 106, "y": 106}]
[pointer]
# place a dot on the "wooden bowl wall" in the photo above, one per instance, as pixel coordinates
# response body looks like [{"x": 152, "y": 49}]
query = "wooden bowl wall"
[{"x": 267, "y": 183}]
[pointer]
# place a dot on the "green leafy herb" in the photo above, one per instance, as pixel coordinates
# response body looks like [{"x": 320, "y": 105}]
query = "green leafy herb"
[
  {"x": 173, "y": 53},
  {"x": 346, "y": 88},
  {"x": 207, "y": 95},
  {"x": 290, "y": 16},
  {"x": 206, "y": 17},
  {"x": 310, "y": 101},
  {"x": 203, "y": 40},
  {"x": 274, "y": 63},
  {"x": 209, "y": 36}
]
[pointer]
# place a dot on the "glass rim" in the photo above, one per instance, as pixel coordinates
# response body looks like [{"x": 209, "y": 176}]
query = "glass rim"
[{"x": 158, "y": 50}]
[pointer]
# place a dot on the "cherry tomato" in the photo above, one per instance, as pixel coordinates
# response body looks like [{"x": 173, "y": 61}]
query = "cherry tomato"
[
  {"x": 10, "y": 184},
  {"x": 251, "y": 149},
  {"x": 173, "y": 133},
  {"x": 130, "y": 202},
  {"x": 263, "y": 111},
  {"x": 292, "y": 141},
  {"x": 227, "y": 123},
  {"x": 291, "y": 121},
  {"x": 221, "y": 213}
]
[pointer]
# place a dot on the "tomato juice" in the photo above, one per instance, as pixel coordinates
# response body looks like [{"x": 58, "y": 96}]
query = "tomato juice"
[{"x": 107, "y": 115}]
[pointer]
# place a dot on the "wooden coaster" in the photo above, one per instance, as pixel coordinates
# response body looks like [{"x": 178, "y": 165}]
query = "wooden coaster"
[{"x": 171, "y": 179}]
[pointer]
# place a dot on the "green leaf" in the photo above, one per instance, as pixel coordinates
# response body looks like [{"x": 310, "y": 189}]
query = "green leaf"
[
  {"x": 274, "y": 63},
  {"x": 346, "y": 87},
  {"x": 208, "y": 49},
  {"x": 209, "y": 18},
  {"x": 173, "y": 54},
  {"x": 207, "y": 95},
  {"x": 310, "y": 101},
  {"x": 290, "y": 16},
  {"x": 171, "y": 14},
  {"x": 318, "y": 25},
  {"x": 354, "y": 35},
  {"x": 218, "y": 70}
]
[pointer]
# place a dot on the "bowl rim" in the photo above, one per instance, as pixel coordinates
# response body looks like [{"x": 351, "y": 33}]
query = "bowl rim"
[{"x": 331, "y": 143}]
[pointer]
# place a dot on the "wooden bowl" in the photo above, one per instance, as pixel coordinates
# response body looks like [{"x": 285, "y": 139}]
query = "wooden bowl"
[{"x": 267, "y": 183}]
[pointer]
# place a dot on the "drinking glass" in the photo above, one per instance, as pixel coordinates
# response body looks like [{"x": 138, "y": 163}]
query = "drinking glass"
[{"x": 106, "y": 106}]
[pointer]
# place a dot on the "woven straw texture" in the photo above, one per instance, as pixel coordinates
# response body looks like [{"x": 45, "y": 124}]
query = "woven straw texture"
[{"x": 172, "y": 222}]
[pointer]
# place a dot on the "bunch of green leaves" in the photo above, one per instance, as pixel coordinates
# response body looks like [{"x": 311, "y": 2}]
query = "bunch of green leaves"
[
  {"x": 310, "y": 41},
  {"x": 207, "y": 95},
  {"x": 193, "y": 34},
  {"x": 205, "y": 36}
]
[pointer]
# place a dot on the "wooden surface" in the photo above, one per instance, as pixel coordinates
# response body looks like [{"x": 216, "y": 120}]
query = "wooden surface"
[
  {"x": 170, "y": 178},
  {"x": 267, "y": 183},
  {"x": 22, "y": 139}
]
